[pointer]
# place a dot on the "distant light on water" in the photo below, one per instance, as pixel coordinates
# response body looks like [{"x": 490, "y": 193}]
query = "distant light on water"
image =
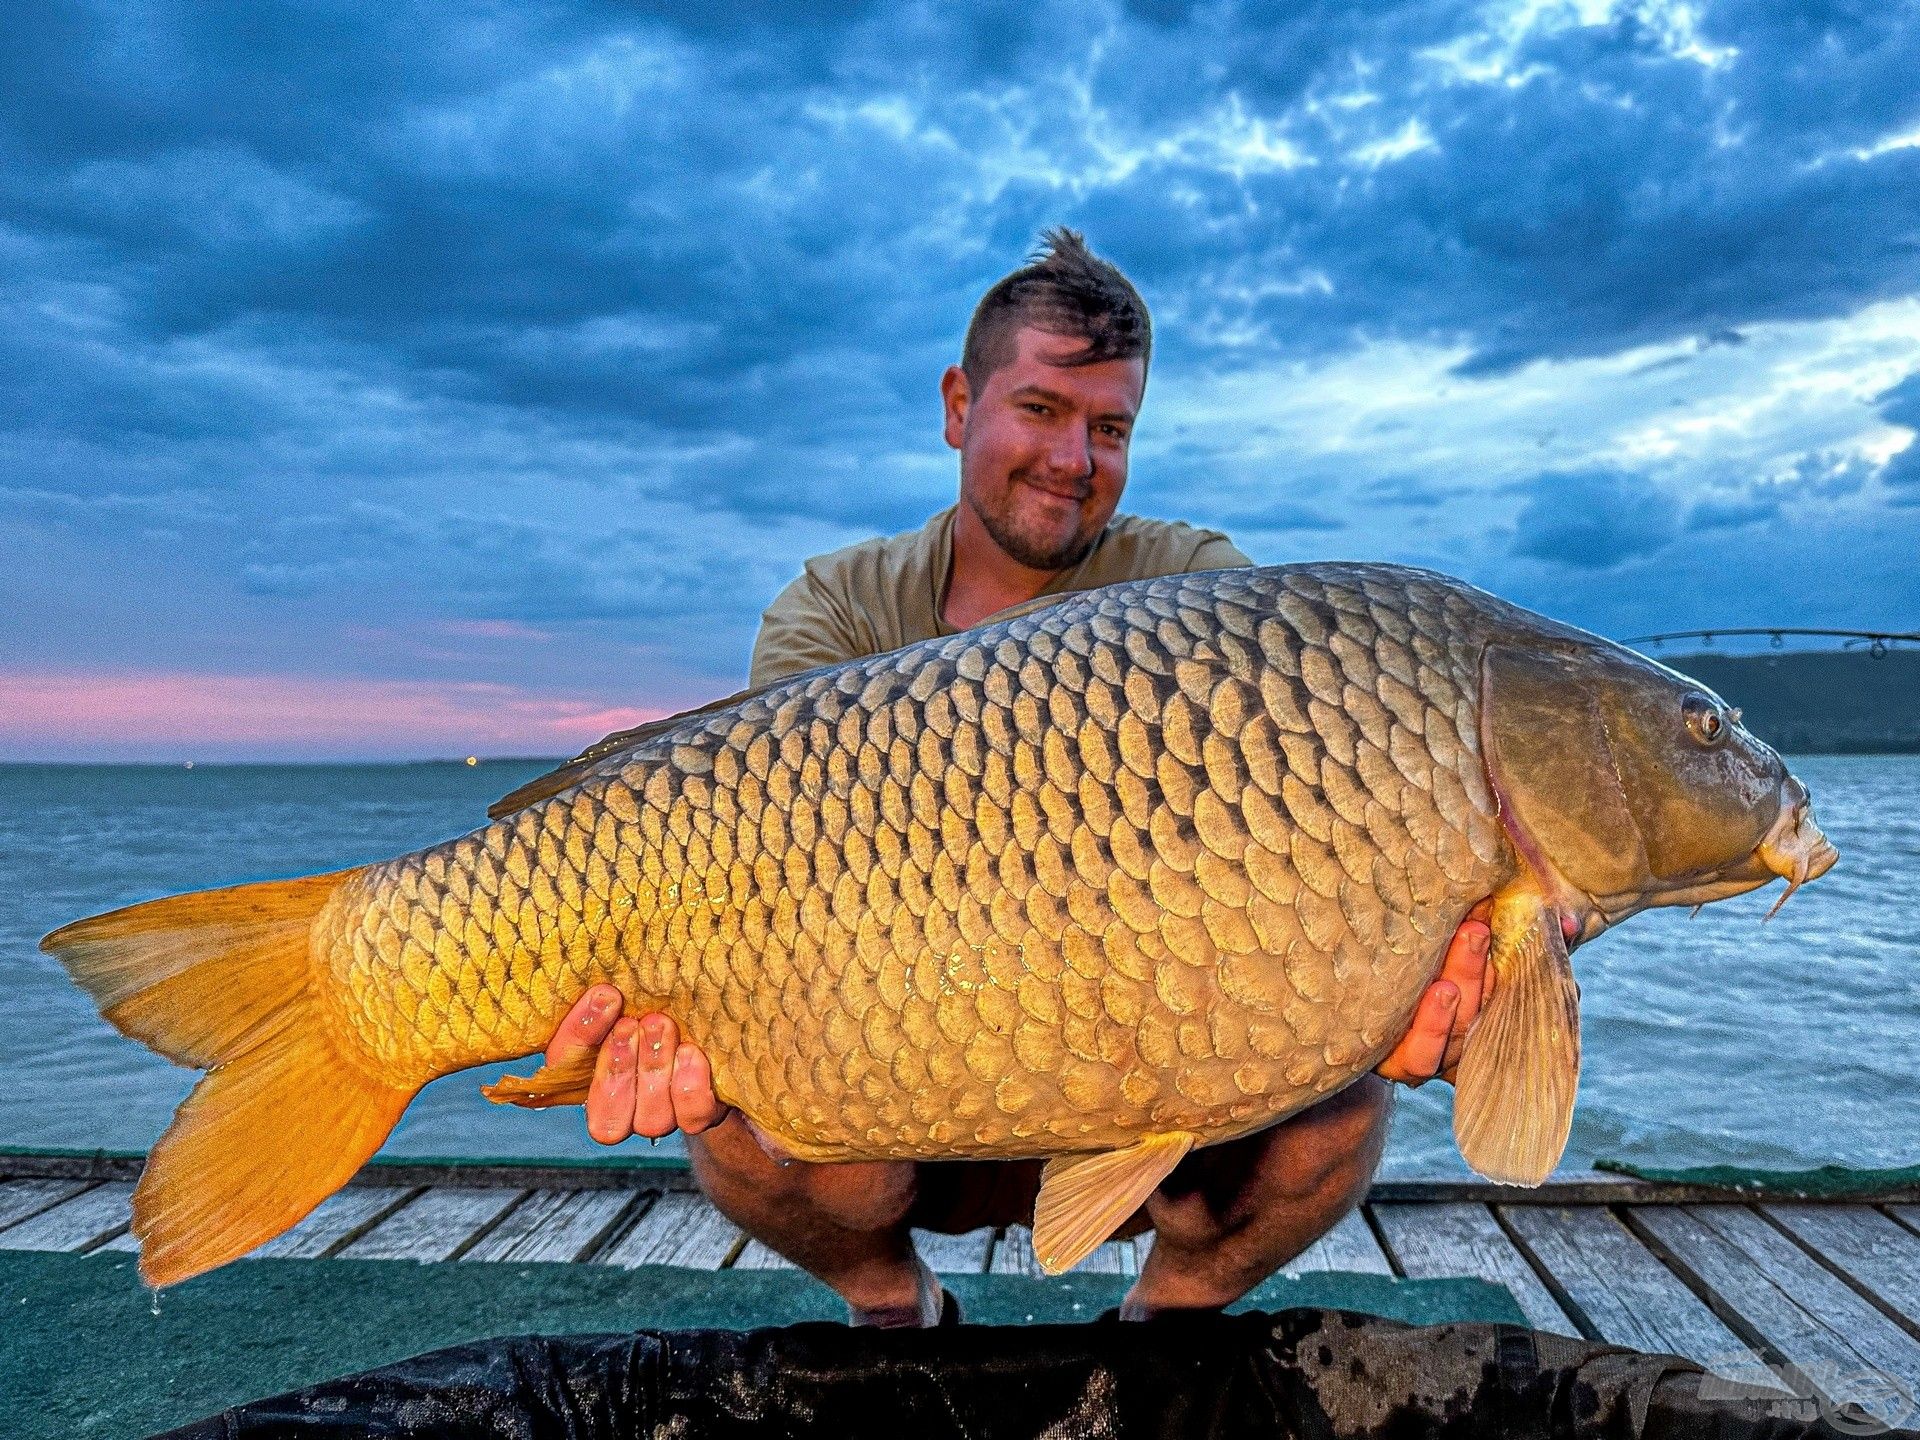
[{"x": 473, "y": 759}]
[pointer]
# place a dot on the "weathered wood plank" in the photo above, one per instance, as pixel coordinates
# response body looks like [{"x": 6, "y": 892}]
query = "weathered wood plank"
[
  {"x": 677, "y": 1229},
  {"x": 1878, "y": 1254},
  {"x": 337, "y": 1218},
  {"x": 1116, "y": 1257},
  {"x": 1349, "y": 1245},
  {"x": 553, "y": 1225},
  {"x": 1013, "y": 1255},
  {"x": 20, "y": 1199},
  {"x": 435, "y": 1225},
  {"x": 955, "y": 1254},
  {"x": 78, "y": 1223},
  {"x": 1908, "y": 1215},
  {"x": 1759, "y": 1278},
  {"x": 1434, "y": 1242},
  {"x": 756, "y": 1256},
  {"x": 1622, "y": 1289}
]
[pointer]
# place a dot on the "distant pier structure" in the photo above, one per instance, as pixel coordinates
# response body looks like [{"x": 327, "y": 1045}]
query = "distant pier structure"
[{"x": 1863, "y": 697}]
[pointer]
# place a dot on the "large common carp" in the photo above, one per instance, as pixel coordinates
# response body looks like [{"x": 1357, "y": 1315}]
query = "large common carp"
[{"x": 1149, "y": 868}]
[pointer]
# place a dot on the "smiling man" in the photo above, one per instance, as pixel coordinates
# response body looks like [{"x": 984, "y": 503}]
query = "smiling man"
[{"x": 1041, "y": 408}]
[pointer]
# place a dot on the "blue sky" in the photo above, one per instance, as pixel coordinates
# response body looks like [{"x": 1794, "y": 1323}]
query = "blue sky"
[{"x": 426, "y": 379}]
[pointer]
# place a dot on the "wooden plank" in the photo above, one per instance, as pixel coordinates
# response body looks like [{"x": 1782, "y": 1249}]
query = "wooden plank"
[
  {"x": 436, "y": 1225},
  {"x": 1908, "y": 1215},
  {"x": 1621, "y": 1288},
  {"x": 1013, "y": 1253},
  {"x": 78, "y": 1223},
  {"x": 553, "y": 1225},
  {"x": 677, "y": 1229},
  {"x": 756, "y": 1256},
  {"x": 340, "y": 1217},
  {"x": 20, "y": 1199},
  {"x": 955, "y": 1254},
  {"x": 1760, "y": 1279},
  {"x": 1877, "y": 1254},
  {"x": 1434, "y": 1242},
  {"x": 1116, "y": 1257},
  {"x": 1348, "y": 1246}
]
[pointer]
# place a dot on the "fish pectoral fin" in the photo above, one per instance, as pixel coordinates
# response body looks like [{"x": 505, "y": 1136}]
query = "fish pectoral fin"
[
  {"x": 563, "y": 1084},
  {"x": 1083, "y": 1197},
  {"x": 1513, "y": 1096}
]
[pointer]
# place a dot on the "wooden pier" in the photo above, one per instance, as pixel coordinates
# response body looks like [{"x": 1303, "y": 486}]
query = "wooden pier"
[{"x": 1825, "y": 1292}]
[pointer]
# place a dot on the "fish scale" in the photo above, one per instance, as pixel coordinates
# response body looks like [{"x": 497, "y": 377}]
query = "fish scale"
[{"x": 1179, "y": 854}]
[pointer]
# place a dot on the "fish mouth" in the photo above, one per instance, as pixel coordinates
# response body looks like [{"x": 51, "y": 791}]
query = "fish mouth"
[{"x": 1795, "y": 849}]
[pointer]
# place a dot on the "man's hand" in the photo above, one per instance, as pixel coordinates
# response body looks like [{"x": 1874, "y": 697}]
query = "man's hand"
[
  {"x": 1433, "y": 1042},
  {"x": 646, "y": 1081}
]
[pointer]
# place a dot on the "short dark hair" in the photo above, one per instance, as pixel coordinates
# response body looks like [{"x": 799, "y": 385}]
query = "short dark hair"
[{"x": 1064, "y": 289}]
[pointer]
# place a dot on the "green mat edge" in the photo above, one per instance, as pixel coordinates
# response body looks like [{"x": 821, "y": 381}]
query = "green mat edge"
[
  {"x": 1823, "y": 1182},
  {"x": 82, "y": 1354}
]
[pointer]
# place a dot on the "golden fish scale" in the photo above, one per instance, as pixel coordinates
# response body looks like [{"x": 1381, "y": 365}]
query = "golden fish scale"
[{"x": 1179, "y": 855}]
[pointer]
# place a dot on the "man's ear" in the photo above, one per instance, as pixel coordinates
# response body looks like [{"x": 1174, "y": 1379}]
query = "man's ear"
[{"x": 956, "y": 395}]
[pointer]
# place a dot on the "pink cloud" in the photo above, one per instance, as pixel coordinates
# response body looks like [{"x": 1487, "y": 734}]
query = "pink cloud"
[{"x": 80, "y": 715}]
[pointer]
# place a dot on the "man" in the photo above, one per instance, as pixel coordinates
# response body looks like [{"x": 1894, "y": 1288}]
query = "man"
[{"x": 1041, "y": 409}]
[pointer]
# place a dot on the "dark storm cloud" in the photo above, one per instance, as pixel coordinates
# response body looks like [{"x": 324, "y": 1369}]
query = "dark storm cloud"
[
  {"x": 1594, "y": 520},
  {"x": 612, "y": 312},
  {"x": 1900, "y": 405}
]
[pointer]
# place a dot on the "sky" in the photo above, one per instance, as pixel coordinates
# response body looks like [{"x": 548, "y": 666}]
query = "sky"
[{"x": 429, "y": 379}]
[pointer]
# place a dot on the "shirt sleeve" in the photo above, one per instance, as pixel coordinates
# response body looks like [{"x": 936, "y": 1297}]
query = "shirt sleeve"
[
  {"x": 802, "y": 628},
  {"x": 1217, "y": 552}
]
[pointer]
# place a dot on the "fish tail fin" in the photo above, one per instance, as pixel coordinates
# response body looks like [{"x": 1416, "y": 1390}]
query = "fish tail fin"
[{"x": 225, "y": 981}]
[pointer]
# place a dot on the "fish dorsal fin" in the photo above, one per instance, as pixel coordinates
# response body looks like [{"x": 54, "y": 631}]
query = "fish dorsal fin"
[
  {"x": 1513, "y": 1097},
  {"x": 1083, "y": 1197},
  {"x": 621, "y": 741}
]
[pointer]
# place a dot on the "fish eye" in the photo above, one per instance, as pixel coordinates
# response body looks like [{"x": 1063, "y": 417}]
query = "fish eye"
[{"x": 1705, "y": 722}]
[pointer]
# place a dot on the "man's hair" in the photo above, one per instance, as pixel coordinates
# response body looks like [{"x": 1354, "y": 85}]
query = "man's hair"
[{"x": 1064, "y": 289}]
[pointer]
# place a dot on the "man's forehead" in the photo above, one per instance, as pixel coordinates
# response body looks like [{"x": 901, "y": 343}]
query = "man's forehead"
[{"x": 1040, "y": 359}]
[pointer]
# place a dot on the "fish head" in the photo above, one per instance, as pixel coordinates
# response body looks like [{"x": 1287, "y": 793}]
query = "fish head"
[{"x": 1624, "y": 784}]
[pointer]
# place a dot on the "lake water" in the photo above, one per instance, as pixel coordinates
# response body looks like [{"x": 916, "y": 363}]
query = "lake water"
[{"x": 1710, "y": 1040}]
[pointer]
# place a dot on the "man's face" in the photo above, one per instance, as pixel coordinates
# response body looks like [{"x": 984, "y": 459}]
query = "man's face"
[{"x": 1043, "y": 447}]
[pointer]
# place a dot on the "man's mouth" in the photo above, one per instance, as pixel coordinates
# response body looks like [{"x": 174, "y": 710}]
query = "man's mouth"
[{"x": 1078, "y": 494}]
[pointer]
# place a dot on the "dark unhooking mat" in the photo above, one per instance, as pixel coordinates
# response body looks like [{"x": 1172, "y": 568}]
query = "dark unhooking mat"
[
  {"x": 1306, "y": 1373},
  {"x": 83, "y": 1354}
]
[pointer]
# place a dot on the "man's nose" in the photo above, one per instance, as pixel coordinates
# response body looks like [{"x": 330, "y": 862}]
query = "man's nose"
[{"x": 1071, "y": 453}]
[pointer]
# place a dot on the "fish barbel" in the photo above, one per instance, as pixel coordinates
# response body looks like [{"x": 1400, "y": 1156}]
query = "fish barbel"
[{"x": 1147, "y": 868}]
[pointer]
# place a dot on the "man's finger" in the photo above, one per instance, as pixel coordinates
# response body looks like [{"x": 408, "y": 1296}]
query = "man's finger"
[
  {"x": 1466, "y": 966},
  {"x": 610, "y": 1098},
  {"x": 653, "y": 1098},
  {"x": 1417, "y": 1058},
  {"x": 587, "y": 1024},
  {"x": 695, "y": 1105}
]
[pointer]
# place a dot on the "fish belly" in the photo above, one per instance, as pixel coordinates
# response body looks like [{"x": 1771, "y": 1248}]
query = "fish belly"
[{"x": 1176, "y": 855}]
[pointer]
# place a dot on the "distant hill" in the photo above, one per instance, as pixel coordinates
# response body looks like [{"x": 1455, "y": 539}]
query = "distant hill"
[{"x": 1837, "y": 702}]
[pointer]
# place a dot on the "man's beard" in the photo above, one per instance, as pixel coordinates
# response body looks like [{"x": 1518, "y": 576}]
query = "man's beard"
[{"x": 1034, "y": 552}]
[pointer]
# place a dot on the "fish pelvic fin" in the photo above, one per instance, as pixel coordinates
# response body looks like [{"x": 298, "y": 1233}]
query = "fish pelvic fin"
[
  {"x": 564, "y": 1084},
  {"x": 1084, "y": 1197},
  {"x": 225, "y": 981},
  {"x": 1513, "y": 1096}
]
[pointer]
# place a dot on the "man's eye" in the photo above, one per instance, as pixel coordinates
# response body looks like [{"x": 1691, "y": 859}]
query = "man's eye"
[{"x": 1034, "y": 407}]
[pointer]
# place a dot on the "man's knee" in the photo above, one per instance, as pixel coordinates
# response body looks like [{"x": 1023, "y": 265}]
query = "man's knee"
[
  {"x": 1332, "y": 1149},
  {"x": 750, "y": 1187}
]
